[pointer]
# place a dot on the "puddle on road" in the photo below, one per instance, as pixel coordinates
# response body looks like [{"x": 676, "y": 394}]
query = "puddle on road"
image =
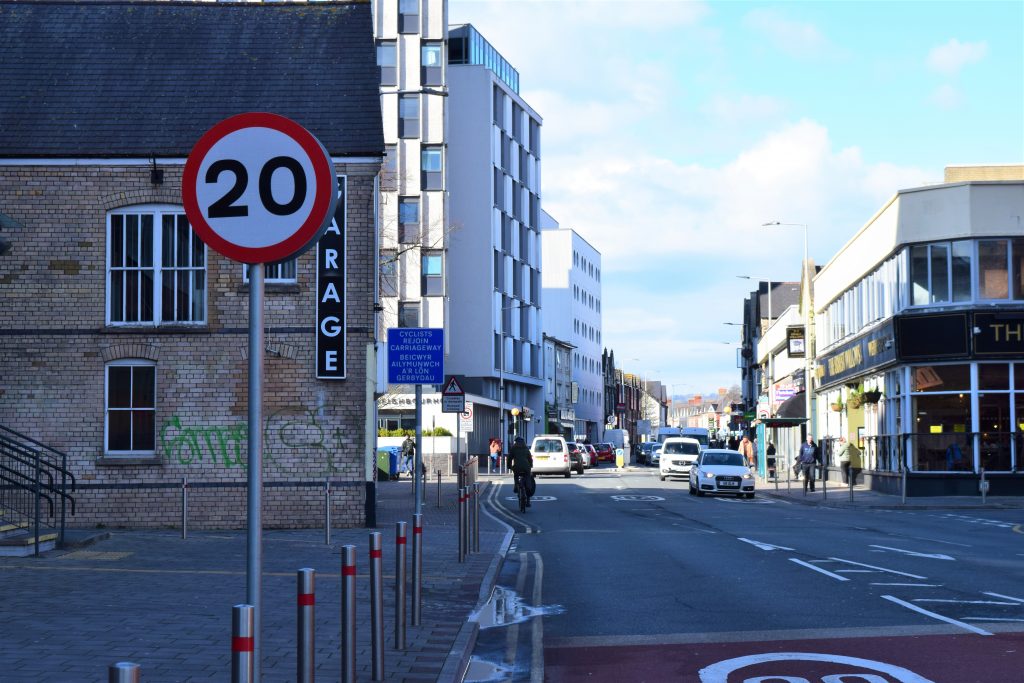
[
  {"x": 481, "y": 671},
  {"x": 506, "y": 607}
]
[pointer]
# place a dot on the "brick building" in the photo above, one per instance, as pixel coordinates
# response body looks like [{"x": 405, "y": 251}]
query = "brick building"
[{"x": 123, "y": 338}]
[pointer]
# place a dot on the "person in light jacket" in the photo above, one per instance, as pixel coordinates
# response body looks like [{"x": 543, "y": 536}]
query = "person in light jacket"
[
  {"x": 849, "y": 460},
  {"x": 746, "y": 447}
]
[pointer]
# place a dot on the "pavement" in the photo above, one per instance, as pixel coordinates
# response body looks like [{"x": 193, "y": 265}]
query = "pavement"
[{"x": 164, "y": 603}]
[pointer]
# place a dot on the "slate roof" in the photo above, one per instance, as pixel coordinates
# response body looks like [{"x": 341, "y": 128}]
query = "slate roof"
[{"x": 109, "y": 79}]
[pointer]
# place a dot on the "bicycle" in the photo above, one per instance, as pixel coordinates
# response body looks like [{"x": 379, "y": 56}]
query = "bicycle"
[{"x": 524, "y": 498}]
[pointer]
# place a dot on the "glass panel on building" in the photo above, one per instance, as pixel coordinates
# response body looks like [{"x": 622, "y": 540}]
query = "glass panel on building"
[
  {"x": 431, "y": 278},
  {"x": 933, "y": 378},
  {"x": 1018, "y": 268},
  {"x": 408, "y": 116},
  {"x": 408, "y": 314},
  {"x": 961, "y": 269},
  {"x": 408, "y": 220},
  {"x": 940, "y": 273},
  {"x": 994, "y": 431},
  {"x": 431, "y": 65},
  {"x": 993, "y": 281},
  {"x": 994, "y": 376},
  {"x": 942, "y": 439},
  {"x": 387, "y": 61},
  {"x": 431, "y": 169},
  {"x": 388, "y": 273},
  {"x": 408, "y": 16},
  {"x": 919, "y": 275}
]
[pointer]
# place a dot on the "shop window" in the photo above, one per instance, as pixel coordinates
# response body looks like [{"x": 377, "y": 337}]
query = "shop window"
[
  {"x": 993, "y": 281},
  {"x": 994, "y": 427},
  {"x": 942, "y": 439},
  {"x": 131, "y": 408},
  {"x": 934, "y": 378},
  {"x": 156, "y": 269},
  {"x": 994, "y": 376}
]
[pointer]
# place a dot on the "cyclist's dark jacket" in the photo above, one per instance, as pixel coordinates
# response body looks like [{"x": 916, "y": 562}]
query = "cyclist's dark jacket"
[{"x": 520, "y": 460}]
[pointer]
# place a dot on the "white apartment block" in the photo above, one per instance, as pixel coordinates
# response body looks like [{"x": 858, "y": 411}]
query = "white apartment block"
[
  {"x": 494, "y": 249},
  {"x": 571, "y": 284}
]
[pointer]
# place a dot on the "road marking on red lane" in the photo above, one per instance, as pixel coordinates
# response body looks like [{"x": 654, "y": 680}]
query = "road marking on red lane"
[
  {"x": 719, "y": 671},
  {"x": 819, "y": 569},
  {"x": 933, "y": 615}
]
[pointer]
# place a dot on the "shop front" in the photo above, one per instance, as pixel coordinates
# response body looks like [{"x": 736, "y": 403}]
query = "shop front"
[{"x": 939, "y": 395}]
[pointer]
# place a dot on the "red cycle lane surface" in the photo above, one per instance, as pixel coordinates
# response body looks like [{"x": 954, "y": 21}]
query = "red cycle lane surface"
[{"x": 899, "y": 659}]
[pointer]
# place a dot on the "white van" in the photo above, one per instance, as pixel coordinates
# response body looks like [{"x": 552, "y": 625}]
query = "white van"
[
  {"x": 699, "y": 433},
  {"x": 678, "y": 454}
]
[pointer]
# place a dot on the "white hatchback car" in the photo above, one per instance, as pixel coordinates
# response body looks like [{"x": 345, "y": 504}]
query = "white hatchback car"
[
  {"x": 721, "y": 471},
  {"x": 678, "y": 454},
  {"x": 551, "y": 455}
]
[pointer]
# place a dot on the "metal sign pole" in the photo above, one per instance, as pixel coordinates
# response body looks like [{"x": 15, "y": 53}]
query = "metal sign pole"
[
  {"x": 417, "y": 491},
  {"x": 254, "y": 556}
]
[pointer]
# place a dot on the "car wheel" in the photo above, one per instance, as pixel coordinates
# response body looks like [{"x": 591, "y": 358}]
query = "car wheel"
[
  {"x": 691, "y": 489},
  {"x": 663, "y": 477},
  {"x": 699, "y": 492},
  {"x": 580, "y": 470},
  {"x": 750, "y": 496},
  {"x": 568, "y": 473}
]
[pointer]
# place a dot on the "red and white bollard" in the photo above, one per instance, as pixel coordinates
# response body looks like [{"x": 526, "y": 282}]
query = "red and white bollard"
[
  {"x": 417, "y": 568},
  {"x": 348, "y": 614},
  {"x": 243, "y": 644},
  {"x": 400, "y": 539},
  {"x": 123, "y": 672},
  {"x": 376, "y": 606},
  {"x": 305, "y": 638}
]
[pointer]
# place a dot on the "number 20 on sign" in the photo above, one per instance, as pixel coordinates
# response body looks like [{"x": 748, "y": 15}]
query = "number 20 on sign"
[{"x": 259, "y": 188}]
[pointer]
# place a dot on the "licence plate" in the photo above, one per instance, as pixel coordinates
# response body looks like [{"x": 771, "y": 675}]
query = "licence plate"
[
  {"x": 728, "y": 484},
  {"x": 541, "y": 457}
]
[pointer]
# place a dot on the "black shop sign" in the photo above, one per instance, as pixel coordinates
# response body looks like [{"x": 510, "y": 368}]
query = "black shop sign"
[
  {"x": 999, "y": 333},
  {"x": 867, "y": 352},
  {"x": 330, "y": 295}
]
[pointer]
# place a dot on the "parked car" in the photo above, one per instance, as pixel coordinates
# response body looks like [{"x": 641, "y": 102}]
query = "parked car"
[
  {"x": 551, "y": 455},
  {"x": 644, "y": 454},
  {"x": 593, "y": 455},
  {"x": 721, "y": 471},
  {"x": 654, "y": 457},
  {"x": 605, "y": 452},
  {"x": 578, "y": 455},
  {"x": 678, "y": 455}
]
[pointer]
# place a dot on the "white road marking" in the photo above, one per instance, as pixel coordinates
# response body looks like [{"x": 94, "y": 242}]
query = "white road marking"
[
  {"x": 537, "y": 648},
  {"x": 762, "y": 545},
  {"x": 818, "y": 569},
  {"x": 931, "y": 556},
  {"x": 1000, "y": 595},
  {"x": 935, "y": 540},
  {"x": 719, "y": 672},
  {"x": 910, "y": 585},
  {"x": 991, "y": 619},
  {"x": 933, "y": 615},
  {"x": 881, "y": 569},
  {"x": 967, "y": 602},
  {"x": 855, "y": 571}
]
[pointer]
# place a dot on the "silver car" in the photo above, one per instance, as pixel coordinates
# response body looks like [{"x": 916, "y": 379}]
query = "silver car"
[{"x": 721, "y": 471}]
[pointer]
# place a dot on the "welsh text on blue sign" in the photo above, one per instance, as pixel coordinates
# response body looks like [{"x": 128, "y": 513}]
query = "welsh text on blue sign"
[{"x": 415, "y": 355}]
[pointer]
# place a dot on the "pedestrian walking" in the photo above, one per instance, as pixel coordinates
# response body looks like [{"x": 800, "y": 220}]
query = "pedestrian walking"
[
  {"x": 808, "y": 459},
  {"x": 408, "y": 455},
  {"x": 849, "y": 460},
  {"x": 746, "y": 448},
  {"x": 495, "y": 452},
  {"x": 769, "y": 453}
]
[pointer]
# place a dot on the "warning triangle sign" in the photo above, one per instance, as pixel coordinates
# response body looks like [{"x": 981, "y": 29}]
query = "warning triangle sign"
[{"x": 453, "y": 388}]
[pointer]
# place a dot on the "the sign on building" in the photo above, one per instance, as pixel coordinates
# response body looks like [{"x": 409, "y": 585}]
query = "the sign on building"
[
  {"x": 796, "y": 345},
  {"x": 331, "y": 295},
  {"x": 415, "y": 355}
]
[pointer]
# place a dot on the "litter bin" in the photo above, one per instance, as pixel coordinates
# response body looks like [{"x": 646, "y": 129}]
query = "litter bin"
[{"x": 387, "y": 462}]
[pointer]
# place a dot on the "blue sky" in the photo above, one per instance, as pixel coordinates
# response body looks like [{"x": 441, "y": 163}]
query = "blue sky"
[{"x": 673, "y": 130}]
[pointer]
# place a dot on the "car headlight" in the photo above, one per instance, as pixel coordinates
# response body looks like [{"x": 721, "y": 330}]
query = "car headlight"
[
  {"x": 709, "y": 475},
  {"x": 748, "y": 476}
]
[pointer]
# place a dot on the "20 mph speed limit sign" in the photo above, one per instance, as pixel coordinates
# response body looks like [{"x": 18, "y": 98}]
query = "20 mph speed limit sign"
[{"x": 259, "y": 188}]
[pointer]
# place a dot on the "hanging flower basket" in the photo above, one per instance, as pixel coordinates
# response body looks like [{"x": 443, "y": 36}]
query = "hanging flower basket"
[
  {"x": 855, "y": 400},
  {"x": 872, "y": 396},
  {"x": 837, "y": 407}
]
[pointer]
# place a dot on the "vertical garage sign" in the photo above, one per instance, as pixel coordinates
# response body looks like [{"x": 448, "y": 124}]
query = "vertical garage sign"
[{"x": 331, "y": 295}]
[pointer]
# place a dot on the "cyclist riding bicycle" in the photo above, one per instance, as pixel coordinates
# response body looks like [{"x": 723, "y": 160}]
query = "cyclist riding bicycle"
[{"x": 520, "y": 462}]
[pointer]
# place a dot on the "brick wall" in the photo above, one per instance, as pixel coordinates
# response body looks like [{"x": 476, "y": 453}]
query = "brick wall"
[{"x": 54, "y": 347}]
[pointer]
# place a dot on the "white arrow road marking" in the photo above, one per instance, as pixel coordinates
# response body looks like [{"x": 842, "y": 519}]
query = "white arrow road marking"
[
  {"x": 881, "y": 569},
  {"x": 933, "y": 556},
  {"x": 933, "y": 615},
  {"x": 762, "y": 545},
  {"x": 818, "y": 569}
]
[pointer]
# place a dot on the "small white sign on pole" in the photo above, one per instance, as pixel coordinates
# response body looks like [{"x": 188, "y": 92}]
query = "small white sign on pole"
[{"x": 466, "y": 418}]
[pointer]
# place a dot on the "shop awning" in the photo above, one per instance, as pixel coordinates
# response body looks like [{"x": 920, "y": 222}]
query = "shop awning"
[{"x": 792, "y": 413}]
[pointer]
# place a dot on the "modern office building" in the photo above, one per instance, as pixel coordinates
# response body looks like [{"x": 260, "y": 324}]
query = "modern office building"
[
  {"x": 571, "y": 280},
  {"x": 560, "y": 417},
  {"x": 920, "y": 337},
  {"x": 494, "y": 248}
]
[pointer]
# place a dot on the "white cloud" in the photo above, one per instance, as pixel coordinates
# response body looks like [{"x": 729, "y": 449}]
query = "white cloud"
[
  {"x": 742, "y": 108},
  {"x": 948, "y": 59},
  {"x": 798, "y": 39},
  {"x": 946, "y": 97}
]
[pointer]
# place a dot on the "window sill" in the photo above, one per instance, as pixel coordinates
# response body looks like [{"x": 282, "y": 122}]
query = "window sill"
[
  {"x": 275, "y": 288},
  {"x": 123, "y": 461}
]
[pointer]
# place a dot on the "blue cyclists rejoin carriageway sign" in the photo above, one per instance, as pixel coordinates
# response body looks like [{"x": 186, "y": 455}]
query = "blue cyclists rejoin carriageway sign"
[{"x": 415, "y": 355}]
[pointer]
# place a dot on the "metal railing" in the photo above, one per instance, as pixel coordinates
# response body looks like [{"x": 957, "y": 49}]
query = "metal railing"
[{"x": 30, "y": 473}]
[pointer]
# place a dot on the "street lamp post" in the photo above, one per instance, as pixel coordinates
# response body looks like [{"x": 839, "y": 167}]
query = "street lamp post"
[{"x": 808, "y": 328}]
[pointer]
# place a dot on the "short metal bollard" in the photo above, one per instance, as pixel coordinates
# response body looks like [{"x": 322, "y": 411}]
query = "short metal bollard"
[
  {"x": 243, "y": 644},
  {"x": 305, "y": 620},
  {"x": 462, "y": 524},
  {"x": 184, "y": 507},
  {"x": 376, "y": 606},
  {"x": 417, "y": 568},
  {"x": 476, "y": 518},
  {"x": 400, "y": 539},
  {"x": 123, "y": 672},
  {"x": 439, "y": 488},
  {"x": 348, "y": 614},
  {"x": 327, "y": 511}
]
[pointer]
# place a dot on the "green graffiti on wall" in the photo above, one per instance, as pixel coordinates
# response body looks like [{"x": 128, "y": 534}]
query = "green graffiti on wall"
[{"x": 287, "y": 433}]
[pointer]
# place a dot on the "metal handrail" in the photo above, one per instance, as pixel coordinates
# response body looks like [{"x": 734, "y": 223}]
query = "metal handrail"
[{"x": 38, "y": 457}]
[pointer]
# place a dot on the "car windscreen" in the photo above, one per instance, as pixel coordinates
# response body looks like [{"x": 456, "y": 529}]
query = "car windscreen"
[
  {"x": 547, "y": 446},
  {"x": 680, "y": 448},
  {"x": 720, "y": 458}
]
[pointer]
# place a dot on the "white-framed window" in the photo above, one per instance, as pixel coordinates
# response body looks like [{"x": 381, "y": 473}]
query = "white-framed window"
[
  {"x": 283, "y": 271},
  {"x": 130, "y": 408},
  {"x": 156, "y": 268}
]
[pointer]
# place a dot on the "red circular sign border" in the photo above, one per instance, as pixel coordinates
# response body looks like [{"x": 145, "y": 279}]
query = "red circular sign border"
[{"x": 297, "y": 241}]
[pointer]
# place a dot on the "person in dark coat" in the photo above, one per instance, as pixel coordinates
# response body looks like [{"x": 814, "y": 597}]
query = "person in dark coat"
[
  {"x": 808, "y": 459},
  {"x": 520, "y": 462}
]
